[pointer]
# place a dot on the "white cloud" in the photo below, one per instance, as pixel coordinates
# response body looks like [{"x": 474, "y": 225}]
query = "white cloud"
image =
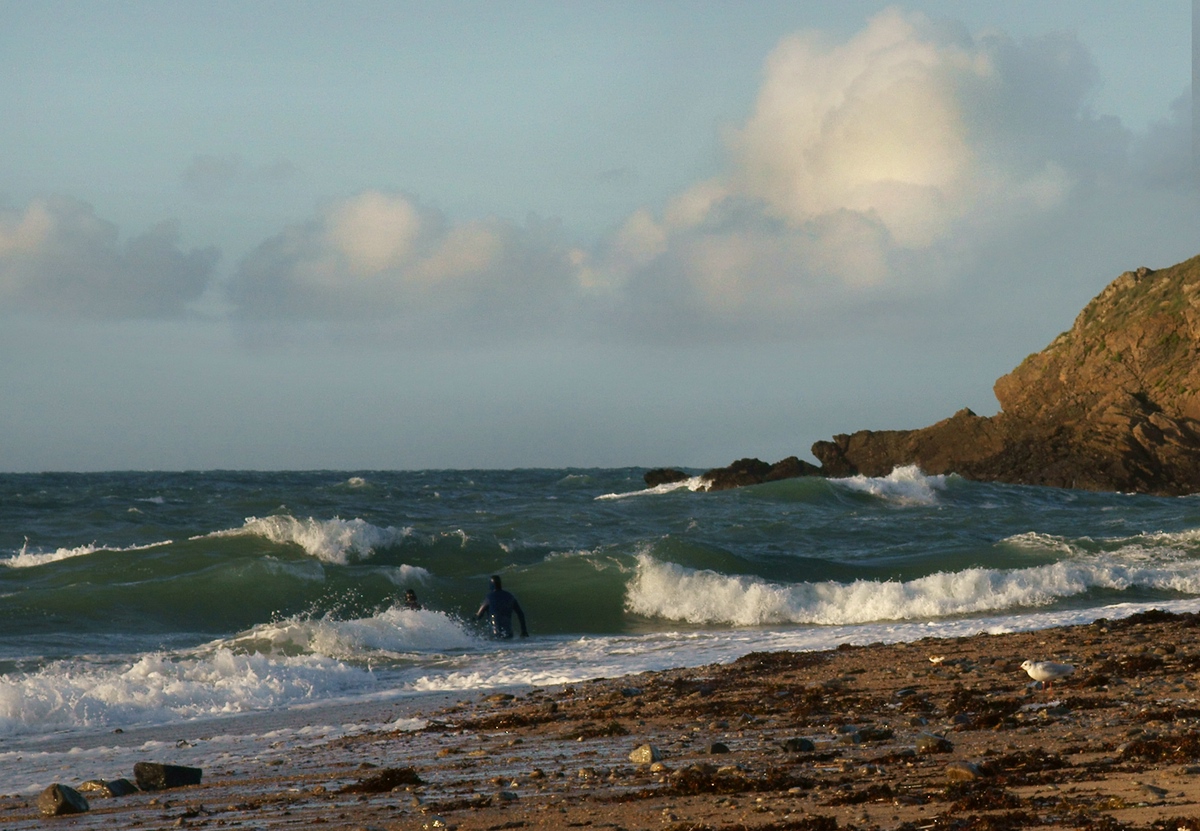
[
  {"x": 876, "y": 172},
  {"x": 377, "y": 255},
  {"x": 867, "y": 163},
  {"x": 373, "y": 232},
  {"x": 58, "y": 259}
]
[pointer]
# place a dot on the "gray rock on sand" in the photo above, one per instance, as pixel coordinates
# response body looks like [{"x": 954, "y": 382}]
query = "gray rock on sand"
[
  {"x": 153, "y": 776},
  {"x": 932, "y": 743},
  {"x": 645, "y": 755},
  {"x": 962, "y": 771},
  {"x": 59, "y": 800}
]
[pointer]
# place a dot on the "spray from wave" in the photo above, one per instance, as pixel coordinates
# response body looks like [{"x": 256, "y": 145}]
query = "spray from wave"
[{"x": 392, "y": 633}]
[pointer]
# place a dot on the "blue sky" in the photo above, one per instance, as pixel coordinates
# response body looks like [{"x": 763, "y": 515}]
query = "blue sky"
[{"x": 469, "y": 234}]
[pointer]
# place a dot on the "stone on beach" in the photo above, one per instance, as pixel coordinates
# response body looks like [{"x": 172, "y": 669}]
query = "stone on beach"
[
  {"x": 59, "y": 800},
  {"x": 962, "y": 771},
  {"x": 108, "y": 787},
  {"x": 798, "y": 745},
  {"x": 384, "y": 781},
  {"x": 645, "y": 755},
  {"x": 932, "y": 743},
  {"x": 154, "y": 776}
]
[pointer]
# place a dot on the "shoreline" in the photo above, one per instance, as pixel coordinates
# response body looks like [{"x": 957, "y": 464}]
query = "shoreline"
[{"x": 898, "y": 741}]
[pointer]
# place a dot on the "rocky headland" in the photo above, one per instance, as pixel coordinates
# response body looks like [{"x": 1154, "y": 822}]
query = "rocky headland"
[{"x": 1112, "y": 404}]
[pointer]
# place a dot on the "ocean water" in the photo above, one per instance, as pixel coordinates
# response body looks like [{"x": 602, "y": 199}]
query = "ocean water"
[{"x": 140, "y": 599}]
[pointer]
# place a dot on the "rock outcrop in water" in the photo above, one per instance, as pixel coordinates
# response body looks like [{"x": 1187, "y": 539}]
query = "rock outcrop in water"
[{"x": 1112, "y": 404}]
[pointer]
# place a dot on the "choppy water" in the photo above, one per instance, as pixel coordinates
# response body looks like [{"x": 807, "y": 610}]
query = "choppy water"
[{"x": 157, "y": 598}]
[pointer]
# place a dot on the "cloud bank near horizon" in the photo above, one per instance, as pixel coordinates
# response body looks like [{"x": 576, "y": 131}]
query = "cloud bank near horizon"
[{"x": 882, "y": 169}]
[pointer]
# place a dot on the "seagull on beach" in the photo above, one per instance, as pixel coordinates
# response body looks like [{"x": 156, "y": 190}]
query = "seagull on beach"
[{"x": 1047, "y": 671}]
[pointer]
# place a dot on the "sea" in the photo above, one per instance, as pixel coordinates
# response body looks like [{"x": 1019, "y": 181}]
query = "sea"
[{"x": 169, "y": 606}]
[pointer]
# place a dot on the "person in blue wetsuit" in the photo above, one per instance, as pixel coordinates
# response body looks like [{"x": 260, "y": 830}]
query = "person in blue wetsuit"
[{"x": 501, "y": 604}]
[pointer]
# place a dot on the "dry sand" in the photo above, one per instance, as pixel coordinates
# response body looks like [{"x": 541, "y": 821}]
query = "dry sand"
[{"x": 937, "y": 734}]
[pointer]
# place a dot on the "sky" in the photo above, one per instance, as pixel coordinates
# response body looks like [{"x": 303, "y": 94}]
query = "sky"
[{"x": 406, "y": 235}]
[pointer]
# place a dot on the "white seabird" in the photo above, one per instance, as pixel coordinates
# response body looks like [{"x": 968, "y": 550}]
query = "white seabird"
[{"x": 1047, "y": 671}]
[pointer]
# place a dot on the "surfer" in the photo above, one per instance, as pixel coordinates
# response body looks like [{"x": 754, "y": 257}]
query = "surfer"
[
  {"x": 501, "y": 604},
  {"x": 410, "y": 600}
]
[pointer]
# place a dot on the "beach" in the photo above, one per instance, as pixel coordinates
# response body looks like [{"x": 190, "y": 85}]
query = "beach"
[{"x": 935, "y": 733}]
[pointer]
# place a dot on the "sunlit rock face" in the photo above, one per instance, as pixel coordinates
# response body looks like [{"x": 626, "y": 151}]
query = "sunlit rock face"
[{"x": 1111, "y": 404}]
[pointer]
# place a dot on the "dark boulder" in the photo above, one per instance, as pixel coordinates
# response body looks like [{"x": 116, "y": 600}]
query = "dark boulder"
[
  {"x": 755, "y": 471},
  {"x": 59, "y": 800},
  {"x": 663, "y": 476},
  {"x": 152, "y": 776},
  {"x": 384, "y": 781}
]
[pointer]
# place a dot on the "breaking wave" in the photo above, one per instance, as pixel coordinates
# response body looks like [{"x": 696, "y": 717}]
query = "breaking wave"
[
  {"x": 336, "y": 540},
  {"x": 903, "y": 486},
  {"x": 673, "y": 592}
]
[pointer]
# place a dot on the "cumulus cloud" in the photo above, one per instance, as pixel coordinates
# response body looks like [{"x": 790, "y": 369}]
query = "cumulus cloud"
[
  {"x": 384, "y": 255},
  {"x": 872, "y": 171},
  {"x": 58, "y": 259},
  {"x": 864, "y": 164}
]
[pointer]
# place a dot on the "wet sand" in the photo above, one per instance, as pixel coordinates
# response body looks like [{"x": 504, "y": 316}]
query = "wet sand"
[{"x": 936, "y": 734}]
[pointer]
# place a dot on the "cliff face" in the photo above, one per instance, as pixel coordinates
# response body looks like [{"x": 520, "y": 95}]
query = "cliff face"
[{"x": 1111, "y": 404}]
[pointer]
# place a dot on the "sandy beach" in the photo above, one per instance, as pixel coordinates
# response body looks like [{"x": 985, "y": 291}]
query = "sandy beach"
[{"x": 936, "y": 734}]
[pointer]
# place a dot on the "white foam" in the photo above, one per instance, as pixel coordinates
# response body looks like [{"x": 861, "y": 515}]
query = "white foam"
[
  {"x": 673, "y": 592},
  {"x": 695, "y": 483},
  {"x": 30, "y": 559},
  {"x": 271, "y": 665},
  {"x": 903, "y": 486},
  {"x": 158, "y": 688},
  {"x": 334, "y": 540},
  {"x": 390, "y": 634}
]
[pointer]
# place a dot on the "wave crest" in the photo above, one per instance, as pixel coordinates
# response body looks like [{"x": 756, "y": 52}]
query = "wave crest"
[
  {"x": 334, "y": 540},
  {"x": 390, "y": 634},
  {"x": 30, "y": 559},
  {"x": 903, "y": 486},
  {"x": 673, "y": 592},
  {"x": 694, "y": 483}
]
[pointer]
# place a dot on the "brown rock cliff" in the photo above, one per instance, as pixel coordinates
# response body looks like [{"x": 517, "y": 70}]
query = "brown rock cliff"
[{"x": 1111, "y": 404}]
